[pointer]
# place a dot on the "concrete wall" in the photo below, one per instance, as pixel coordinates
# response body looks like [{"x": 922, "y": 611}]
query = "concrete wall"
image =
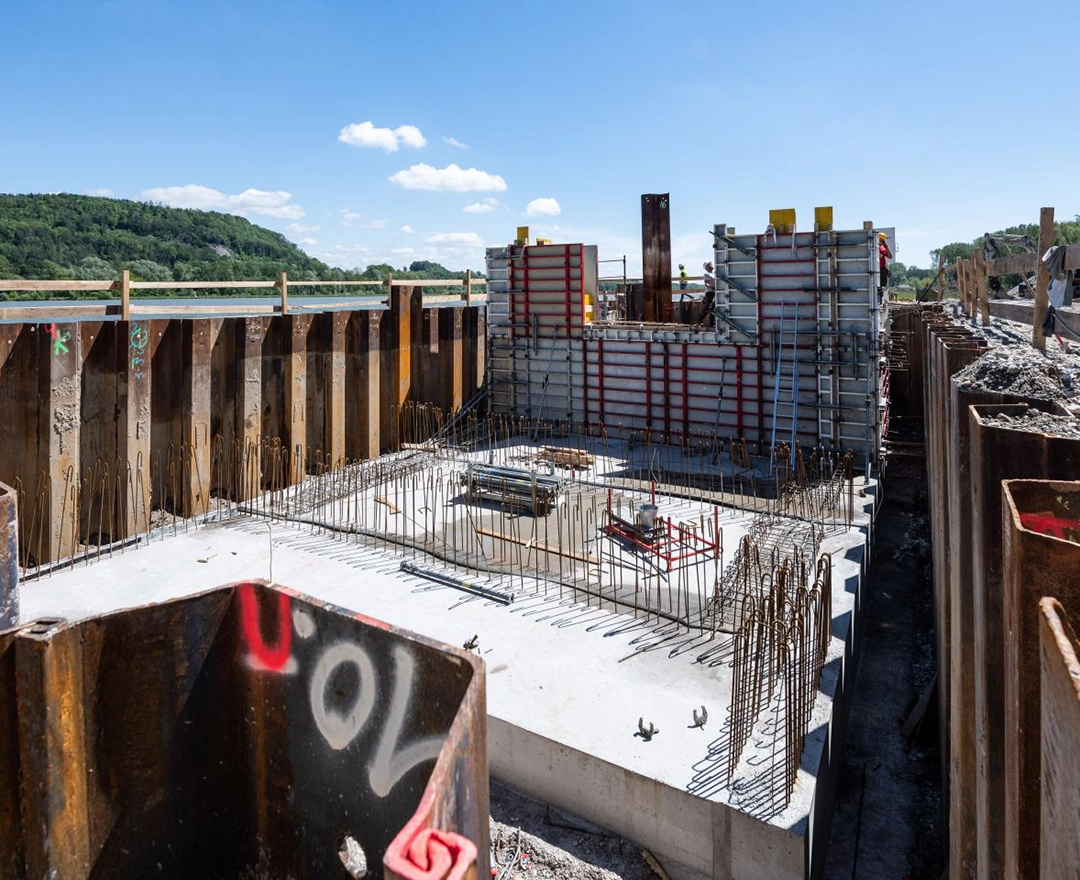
[{"x": 693, "y": 839}]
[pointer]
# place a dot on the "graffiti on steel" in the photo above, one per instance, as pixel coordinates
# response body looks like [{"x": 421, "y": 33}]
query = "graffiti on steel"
[
  {"x": 340, "y": 725},
  {"x": 140, "y": 338},
  {"x": 58, "y": 338}
]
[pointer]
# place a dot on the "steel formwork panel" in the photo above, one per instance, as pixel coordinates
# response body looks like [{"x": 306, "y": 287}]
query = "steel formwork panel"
[{"x": 813, "y": 310}]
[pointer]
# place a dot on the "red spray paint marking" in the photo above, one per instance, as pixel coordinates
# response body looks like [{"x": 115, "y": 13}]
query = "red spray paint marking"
[
  {"x": 1048, "y": 524},
  {"x": 431, "y": 854},
  {"x": 276, "y": 657}
]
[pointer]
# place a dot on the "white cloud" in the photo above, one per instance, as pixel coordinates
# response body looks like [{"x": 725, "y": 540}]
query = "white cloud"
[
  {"x": 309, "y": 242},
  {"x": 402, "y": 251},
  {"x": 410, "y": 136},
  {"x": 407, "y": 229},
  {"x": 460, "y": 239},
  {"x": 454, "y": 142},
  {"x": 481, "y": 207},
  {"x": 376, "y": 224},
  {"x": 99, "y": 191},
  {"x": 366, "y": 134},
  {"x": 424, "y": 176},
  {"x": 347, "y": 217},
  {"x": 543, "y": 208},
  {"x": 300, "y": 228},
  {"x": 250, "y": 201}
]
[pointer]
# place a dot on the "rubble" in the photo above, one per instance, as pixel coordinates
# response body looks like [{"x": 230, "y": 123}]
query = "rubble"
[
  {"x": 1037, "y": 422},
  {"x": 1023, "y": 370}
]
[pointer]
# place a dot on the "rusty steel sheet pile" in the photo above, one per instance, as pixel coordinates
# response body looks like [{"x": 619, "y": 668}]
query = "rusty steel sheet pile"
[
  {"x": 9, "y": 558},
  {"x": 1041, "y": 558},
  {"x": 1059, "y": 843},
  {"x": 248, "y": 731}
]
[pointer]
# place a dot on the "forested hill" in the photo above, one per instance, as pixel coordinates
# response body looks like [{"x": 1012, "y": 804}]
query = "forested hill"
[{"x": 88, "y": 237}]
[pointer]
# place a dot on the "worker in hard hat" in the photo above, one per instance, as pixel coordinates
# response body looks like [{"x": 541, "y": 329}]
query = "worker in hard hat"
[
  {"x": 710, "y": 295},
  {"x": 884, "y": 255},
  {"x": 682, "y": 277}
]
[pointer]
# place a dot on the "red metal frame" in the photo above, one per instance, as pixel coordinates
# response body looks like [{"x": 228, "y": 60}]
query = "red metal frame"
[{"x": 670, "y": 542}]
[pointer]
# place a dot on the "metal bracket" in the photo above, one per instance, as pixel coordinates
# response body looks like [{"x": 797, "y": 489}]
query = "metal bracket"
[{"x": 750, "y": 252}]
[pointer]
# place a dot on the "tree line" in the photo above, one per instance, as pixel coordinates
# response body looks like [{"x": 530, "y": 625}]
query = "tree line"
[{"x": 73, "y": 237}]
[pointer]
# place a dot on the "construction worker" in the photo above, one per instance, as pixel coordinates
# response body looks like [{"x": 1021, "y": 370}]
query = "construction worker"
[
  {"x": 884, "y": 255},
  {"x": 682, "y": 277},
  {"x": 710, "y": 295}
]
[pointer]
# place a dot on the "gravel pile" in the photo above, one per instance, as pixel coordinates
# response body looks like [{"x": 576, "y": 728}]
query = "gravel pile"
[
  {"x": 531, "y": 841},
  {"x": 1023, "y": 370},
  {"x": 1037, "y": 423}
]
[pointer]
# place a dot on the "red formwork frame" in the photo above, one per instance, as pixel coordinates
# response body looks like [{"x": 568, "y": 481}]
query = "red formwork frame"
[{"x": 670, "y": 542}]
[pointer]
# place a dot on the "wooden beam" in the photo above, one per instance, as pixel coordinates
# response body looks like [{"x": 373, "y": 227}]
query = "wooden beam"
[
  {"x": 125, "y": 295},
  {"x": 961, "y": 283},
  {"x": 941, "y": 275},
  {"x": 199, "y": 285},
  {"x": 21, "y": 284},
  {"x": 981, "y": 288},
  {"x": 1047, "y": 236},
  {"x": 1015, "y": 264},
  {"x": 284, "y": 284}
]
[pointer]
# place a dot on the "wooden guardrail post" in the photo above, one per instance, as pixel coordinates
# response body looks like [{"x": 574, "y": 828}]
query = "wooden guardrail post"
[
  {"x": 981, "y": 287},
  {"x": 284, "y": 285},
  {"x": 125, "y": 295},
  {"x": 941, "y": 275},
  {"x": 1042, "y": 301},
  {"x": 468, "y": 287}
]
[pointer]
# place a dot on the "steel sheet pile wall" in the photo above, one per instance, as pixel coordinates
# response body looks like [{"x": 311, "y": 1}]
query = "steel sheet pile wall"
[
  {"x": 257, "y": 732},
  {"x": 103, "y": 422},
  {"x": 971, "y": 447},
  {"x": 1059, "y": 682},
  {"x": 796, "y": 353}
]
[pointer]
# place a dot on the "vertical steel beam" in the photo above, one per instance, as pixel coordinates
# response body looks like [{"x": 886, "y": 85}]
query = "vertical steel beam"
[
  {"x": 297, "y": 328},
  {"x": 1059, "y": 684},
  {"x": 11, "y": 835},
  {"x": 197, "y": 348},
  {"x": 52, "y": 753},
  {"x": 656, "y": 256},
  {"x": 59, "y": 412},
  {"x": 1036, "y": 563},
  {"x": 370, "y": 419},
  {"x": 9, "y": 562},
  {"x": 249, "y": 403},
  {"x": 134, "y": 351},
  {"x": 396, "y": 367},
  {"x": 426, "y": 362},
  {"x": 450, "y": 358},
  {"x": 335, "y": 386}
]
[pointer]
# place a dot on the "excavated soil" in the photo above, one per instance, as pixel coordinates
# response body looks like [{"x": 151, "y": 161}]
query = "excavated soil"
[
  {"x": 1037, "y": 422},
  {"x": 1023, "y": 370}
]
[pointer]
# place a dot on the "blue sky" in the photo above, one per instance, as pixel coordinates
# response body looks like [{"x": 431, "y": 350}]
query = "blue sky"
[{"x": 389, "y": 132}]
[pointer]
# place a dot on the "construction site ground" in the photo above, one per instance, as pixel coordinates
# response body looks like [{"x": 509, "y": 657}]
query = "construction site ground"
[{"x": 564, "y": 698}]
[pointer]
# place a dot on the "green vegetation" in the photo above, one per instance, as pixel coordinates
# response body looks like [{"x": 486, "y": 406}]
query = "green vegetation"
[
  {"x": 71, "y": 237},
  {"x": 1068, "y": 232}
]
